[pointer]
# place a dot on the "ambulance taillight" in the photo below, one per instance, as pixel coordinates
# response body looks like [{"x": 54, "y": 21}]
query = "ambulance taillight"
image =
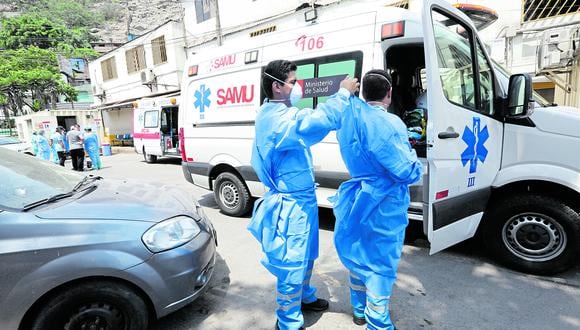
[
  {"x": 181, "y": 137},
  {"x": 393, "y": 30},
  {"x": 192, "y": 71}
]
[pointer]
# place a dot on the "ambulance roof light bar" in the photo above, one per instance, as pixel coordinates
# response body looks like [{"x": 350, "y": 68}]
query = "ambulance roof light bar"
[{"x": 393, "y": 30}]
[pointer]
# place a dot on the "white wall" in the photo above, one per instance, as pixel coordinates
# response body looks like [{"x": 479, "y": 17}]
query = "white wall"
[{"x": 128, "y": 86}]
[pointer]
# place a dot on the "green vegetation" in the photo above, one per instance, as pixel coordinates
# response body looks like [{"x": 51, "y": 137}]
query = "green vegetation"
[{"x": 29, "y": 48}]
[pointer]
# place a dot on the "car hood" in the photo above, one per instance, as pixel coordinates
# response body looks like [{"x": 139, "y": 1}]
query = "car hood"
[
  {"x": 558, "y": 120},
  {"x": 123, "y": 200}
]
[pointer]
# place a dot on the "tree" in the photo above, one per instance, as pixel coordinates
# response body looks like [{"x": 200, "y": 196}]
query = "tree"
[
  {"x": 31, "y": 77},
  {"x": 38, "y": 31},
  {"x": 71, "y": 13}
]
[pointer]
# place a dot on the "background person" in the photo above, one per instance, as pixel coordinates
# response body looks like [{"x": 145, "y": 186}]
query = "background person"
[
  {"x": 91, "y": 144},
  {"x": 44, "y": 149},
  {"x": 77, "y": 153},
  {"x": 285, "y": 220},
  {"x": 371, "y": 208},
  {"x": 57, "y": 144}
]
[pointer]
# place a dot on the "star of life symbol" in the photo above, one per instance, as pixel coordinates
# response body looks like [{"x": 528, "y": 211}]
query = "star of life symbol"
[
  {"x": 202, "y": 100},
  {"x": 475, "y": 139}
]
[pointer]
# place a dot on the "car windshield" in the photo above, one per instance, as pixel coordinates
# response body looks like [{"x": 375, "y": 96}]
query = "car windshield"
[
  {"x": 8, "y": 140},
  {"x": 26, "y": 180},
  {"x": 504, "y": 77}
]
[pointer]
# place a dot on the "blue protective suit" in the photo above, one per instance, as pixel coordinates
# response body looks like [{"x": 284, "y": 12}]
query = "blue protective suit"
[
  {"x": 91, "y": 144},
  {"x": 285, "y": 220},
  {"x": 371, "y": 208},
  {"x": 44, "y": 149},
  {"x": 34, "y": 143}
]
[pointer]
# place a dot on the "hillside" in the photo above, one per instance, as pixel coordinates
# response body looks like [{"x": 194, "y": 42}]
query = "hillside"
[{"x": 139, "y": 15}]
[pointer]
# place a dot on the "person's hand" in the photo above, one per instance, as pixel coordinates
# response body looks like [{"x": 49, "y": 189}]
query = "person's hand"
[{"x": 351, "y": 84}]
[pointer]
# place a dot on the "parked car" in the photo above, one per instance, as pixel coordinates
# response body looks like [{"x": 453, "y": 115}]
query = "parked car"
[
  {"x": 84, "y": 252},
  {"x": 13, "y": 143}
]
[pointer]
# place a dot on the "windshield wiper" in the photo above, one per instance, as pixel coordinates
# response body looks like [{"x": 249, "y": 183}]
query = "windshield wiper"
[
  {"x": 87, "y": 179},
  {"x": 50, "y": 199}
]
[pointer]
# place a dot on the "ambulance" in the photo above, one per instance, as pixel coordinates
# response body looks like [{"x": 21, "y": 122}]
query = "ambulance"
[
  {"x": 499, "y": 162},
  {"x": 155, "y": 129}
]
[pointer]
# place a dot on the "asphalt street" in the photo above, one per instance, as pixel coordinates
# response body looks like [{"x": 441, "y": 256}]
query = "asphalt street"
[{"x": 456, "y": 289}]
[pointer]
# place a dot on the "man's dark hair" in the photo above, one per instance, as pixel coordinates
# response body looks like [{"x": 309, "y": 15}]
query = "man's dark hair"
[
  {"x": 278, "y": 69},
  {"x": 376, "y": 84}
]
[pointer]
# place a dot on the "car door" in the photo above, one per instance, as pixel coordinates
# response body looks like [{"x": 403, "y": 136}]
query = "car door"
[{"x": 464, "y": 135}]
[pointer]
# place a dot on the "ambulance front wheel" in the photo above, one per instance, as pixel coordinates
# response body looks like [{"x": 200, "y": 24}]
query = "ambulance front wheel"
[
  {"x": 232, "y": 195},
  {"x": 533, "y": 233},
  {"x": 149, "y": 158}
]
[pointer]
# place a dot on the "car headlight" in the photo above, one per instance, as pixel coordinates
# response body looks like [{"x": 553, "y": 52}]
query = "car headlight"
[{"x": 170, "y": 233}]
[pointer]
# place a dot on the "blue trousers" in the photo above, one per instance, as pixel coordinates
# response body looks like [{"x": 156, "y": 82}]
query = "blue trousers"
[
  {"x": 373, "y": 307},
  {"x": 290, "y": 298}
]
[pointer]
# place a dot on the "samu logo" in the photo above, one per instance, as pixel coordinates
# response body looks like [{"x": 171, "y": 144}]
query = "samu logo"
[
  {"x": 475, "y": 151},
  {"x": 202, "y": 100}
]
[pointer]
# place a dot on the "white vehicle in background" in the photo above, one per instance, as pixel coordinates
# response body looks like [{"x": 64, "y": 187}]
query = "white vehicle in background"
[
  {"x": 13, "y": 143},
  {"x": 494, "y": 165},
  {"x": 155, "y": 127}
]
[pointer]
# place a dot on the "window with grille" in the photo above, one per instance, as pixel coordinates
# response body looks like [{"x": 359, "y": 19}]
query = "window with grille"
[
  {"x": 159, "y": 51},
  {"x": 135, "y": 59},
  {"x": 204, "y": 10},
  {"x": 539, "y": 9},
  {"x": 109, "y": 69}
]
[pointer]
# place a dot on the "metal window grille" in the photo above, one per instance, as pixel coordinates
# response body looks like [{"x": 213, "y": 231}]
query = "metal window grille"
[
  {"x": 135, "y": 58},
  {"x": 159, "y": 51},
  {"x": 109, "y": 69},
  {"x": 539, "y": 9}
]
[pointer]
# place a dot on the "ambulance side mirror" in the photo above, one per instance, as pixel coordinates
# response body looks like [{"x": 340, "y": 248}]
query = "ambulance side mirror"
[{"x": 519, "y": 102}]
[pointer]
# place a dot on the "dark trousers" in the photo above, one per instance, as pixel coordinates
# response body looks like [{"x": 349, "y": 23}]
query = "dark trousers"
[
  {"x": 78, "y": 159},
  {"x": 61, "y": 157}
]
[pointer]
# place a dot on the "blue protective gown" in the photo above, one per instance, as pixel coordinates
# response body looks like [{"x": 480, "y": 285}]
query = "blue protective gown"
[
  {"x": 371, "y": 208},
  {"x": 91, "y": 144},
  {"x": 285, "y": 220},
  {"x": 44, "y": 149}
]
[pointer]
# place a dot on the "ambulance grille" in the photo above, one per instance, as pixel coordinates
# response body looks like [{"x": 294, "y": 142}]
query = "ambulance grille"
[
  {"x": 263, "y": 31},
  {"x": 401, "y": 4}
]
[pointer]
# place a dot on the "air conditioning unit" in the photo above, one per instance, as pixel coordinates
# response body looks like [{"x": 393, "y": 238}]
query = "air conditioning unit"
[
  {"x": 147, "y": 77},
  {"x": 98, "y": 90},
  {"x": 556, "y": 49}
]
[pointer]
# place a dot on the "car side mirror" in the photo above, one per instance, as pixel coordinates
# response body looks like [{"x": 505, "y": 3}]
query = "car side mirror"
[{"x": 520, "y": 103}]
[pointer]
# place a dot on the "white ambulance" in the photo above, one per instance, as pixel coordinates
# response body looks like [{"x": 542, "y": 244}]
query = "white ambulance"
[
  {"x": 494, "y": 165},
  {"x": 155, "y": 129}
]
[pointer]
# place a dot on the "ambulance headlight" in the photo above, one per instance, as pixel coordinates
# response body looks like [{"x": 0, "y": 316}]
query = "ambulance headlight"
[{"x": 170, "y": 233}]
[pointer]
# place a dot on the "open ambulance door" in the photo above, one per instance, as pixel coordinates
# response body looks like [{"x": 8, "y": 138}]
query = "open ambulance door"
[{"x": 463, "y": 135}]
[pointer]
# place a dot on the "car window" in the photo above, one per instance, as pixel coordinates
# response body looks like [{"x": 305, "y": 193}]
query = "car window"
[
  {"x": 503, "y": 76},
  {"x": 26, "y": 179},
  {"x": 8, "y": 140}
]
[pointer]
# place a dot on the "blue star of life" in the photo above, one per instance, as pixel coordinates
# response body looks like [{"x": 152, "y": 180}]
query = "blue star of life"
[
  {"x": 202, "y": 100},
  {"x": 475, "y": 139}
]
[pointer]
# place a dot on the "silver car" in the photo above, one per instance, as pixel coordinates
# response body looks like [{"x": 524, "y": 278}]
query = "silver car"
[
  {"x": 83, "y": 252},
  {"x": 13, "y": 143}
]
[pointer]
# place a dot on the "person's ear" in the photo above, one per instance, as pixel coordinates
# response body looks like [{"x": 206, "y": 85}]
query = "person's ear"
[{"x": 275, "y": 86}]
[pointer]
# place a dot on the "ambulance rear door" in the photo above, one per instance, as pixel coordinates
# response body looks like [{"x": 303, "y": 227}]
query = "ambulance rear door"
[{"x": 464, "y": 133}]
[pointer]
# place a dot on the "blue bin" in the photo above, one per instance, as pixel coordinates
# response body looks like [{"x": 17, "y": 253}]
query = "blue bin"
[{"x": 106, "y": 149}]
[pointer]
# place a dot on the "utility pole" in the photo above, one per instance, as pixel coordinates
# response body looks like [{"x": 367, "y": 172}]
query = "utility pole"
[{"x": 218, "y": 28}]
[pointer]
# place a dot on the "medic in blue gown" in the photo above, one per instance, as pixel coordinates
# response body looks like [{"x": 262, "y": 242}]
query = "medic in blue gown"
[
  {"x": 285, "y": 220},
  {"x": 91, "y": 145},
  {"x": 371, "y": 208},
  {"x": 44, "y": 149}
]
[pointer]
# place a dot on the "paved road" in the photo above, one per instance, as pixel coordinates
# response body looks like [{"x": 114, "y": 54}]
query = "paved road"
[{"x": 457, "y": 289}]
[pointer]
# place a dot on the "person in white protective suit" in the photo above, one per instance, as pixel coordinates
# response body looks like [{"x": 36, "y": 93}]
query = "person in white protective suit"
[
  {"x": 285, "y": 220},
  {"x": 371, "y": 208}
]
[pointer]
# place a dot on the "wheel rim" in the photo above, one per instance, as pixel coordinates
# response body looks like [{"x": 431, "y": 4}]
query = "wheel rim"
[
  {"x": 534, "y": 237},
  {"x": 229, "y": 195},
  {"x": 96, "y": 317}
]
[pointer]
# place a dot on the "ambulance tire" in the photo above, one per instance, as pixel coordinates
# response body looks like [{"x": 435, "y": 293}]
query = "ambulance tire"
[
  {"x": 232, "y": 195},
  {"x": 149, "y": 158},
  {"x": 533, "y": 234}
]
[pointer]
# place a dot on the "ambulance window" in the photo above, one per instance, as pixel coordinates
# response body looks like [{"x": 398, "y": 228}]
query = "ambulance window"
[
  {"x": 305, "y": 71},
  {"x": 455, "y": 60},
  {"x": 336, "y": 68},
  {"x": 485, "y": 82},
  {"x": 151, "y": 118}
]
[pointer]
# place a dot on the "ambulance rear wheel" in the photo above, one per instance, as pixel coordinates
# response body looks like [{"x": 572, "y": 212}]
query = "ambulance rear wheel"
[
  {"x": 533, "y": 233},
  {"x": 149, "y": 158},
  {"x": 232, "y": 195}
]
